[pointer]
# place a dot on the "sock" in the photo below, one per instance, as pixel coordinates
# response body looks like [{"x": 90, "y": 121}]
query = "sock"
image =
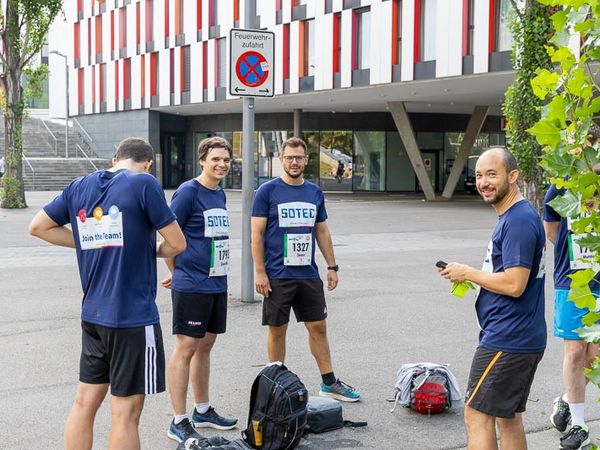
[
  {"x": 202, "y": 407},
  {"x": 328, "y": 378},
  {"x": 179, "y": 418},
  {"x": 577, "y": 414}
]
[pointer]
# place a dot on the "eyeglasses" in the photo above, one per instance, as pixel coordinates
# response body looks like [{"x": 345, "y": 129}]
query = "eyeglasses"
[{"x": 289, "y": 159}]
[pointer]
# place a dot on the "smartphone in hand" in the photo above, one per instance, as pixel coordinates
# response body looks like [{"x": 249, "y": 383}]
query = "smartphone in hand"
[{"x": 441, "y": 264}]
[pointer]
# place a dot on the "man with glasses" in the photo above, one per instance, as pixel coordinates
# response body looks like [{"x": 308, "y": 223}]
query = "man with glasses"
[{"x": 288, "y": 216}]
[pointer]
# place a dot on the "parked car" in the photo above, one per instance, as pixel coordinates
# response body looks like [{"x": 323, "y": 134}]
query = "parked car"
[{"x": 470, "y": 185}]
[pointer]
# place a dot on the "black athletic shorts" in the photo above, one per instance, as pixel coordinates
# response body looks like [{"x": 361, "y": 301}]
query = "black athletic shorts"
[
  {"x": 196, "y": 314},
  {"x": 132, "y": 360},
  {"x": 305, "y": 296},
  {"x": 499, "y": 382}
]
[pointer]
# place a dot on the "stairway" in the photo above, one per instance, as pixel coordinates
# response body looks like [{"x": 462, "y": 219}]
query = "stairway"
[{"x": 46, "y": 165}]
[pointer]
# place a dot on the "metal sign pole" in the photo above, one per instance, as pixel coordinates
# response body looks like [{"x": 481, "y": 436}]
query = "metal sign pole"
[{"x": 247, "y": 175}]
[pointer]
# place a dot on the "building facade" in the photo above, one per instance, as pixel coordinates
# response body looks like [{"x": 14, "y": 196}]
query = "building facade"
[{"x": 383, "y": 91}]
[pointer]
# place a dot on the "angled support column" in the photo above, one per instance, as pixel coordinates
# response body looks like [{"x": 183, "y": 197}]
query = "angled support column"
[
  {"x": 298, "y": 123},
  {"x": 407, "y": 135},
  {"x": 473, "y": 128}
]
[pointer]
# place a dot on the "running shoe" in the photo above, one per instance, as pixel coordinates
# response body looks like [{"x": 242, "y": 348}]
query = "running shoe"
[
  {"x": 210, "y": 419},
  {"x": 340, "y": 391},
  {"x": 182, "y": 431},
  {"x": 576, "y": 437},
  {"x": 561, "y": 415}
]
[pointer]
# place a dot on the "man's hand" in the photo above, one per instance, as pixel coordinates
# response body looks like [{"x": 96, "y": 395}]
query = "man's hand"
[
  {"x": 166, "y": 282},
  {"x": 263, "y": 286},
  {"x": 455, "y": 272},
  {"x": 332, "y": 280}
]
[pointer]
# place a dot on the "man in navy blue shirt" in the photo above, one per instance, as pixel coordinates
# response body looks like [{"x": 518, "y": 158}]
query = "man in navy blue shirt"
[
  {"x": 288, "y": 217},
  {"x": 198, "y": 283},
  {"x": 578, "y": 354},
  {"x": 114, "y": 215},
  {"x": 510, "y": 309}
]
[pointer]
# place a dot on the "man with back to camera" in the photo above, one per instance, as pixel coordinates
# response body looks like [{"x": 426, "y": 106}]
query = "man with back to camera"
[
  {"x": 114, "y": 215},
  {"x": 198, "y": 283},
  {"x": 578, "y": 354},
  {"x": 288, "y": 215},
  {"x": 509, "y": 306}
]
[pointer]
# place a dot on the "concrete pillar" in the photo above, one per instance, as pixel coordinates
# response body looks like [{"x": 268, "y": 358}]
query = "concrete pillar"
[
  {"x": 298, "y": 123},
  {"x": 473, "y": 128},
  {"x": 409, "y": 140}
]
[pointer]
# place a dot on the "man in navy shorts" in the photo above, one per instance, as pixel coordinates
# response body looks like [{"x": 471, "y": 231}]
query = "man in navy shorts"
[
  {"x": 114, "y": 215},
  {"x": 288, "y": 217},
  {"x": 510, "y": 309}
]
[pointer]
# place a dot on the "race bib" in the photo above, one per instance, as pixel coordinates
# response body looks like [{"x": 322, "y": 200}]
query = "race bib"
[
  {"x": 100, "y": 231},
  {"x": 297, "y": 214},
  {"x": 488, "y": 265},
  {"x": 216, "y": 223},
  {"x": 219, "y": 258},
  {"x": 297, "y": 249},
  {"x": 542, "y": 269},
  {"x": 579, "y": 257}
]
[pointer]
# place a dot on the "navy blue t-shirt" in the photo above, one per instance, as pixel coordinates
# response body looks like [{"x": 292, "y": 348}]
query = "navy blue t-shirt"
[
  {"x": 289, "y": 241},
  {"x": 515, "y": 325},
  {"x": 114, "y": 217},
  {"x": 562, "y": 250},
  {"x": 202, "y": 215}
]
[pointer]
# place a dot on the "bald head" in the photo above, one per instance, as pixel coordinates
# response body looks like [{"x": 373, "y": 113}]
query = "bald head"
[{"x": 508, "y": 159}]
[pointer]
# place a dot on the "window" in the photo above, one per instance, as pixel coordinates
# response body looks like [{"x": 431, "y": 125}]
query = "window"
[
  {"x": 138, "y": 26},
  {"x": 428, "y": 30},
  {"x": 468, "y": 26},
  {"x": 76, "y": 43},
  {"x": 396, "y": 32},
  {"x": 102, "y": 83},
  {"x": 503, "y": 35},
  {"x": 337, "y": 42},
  {"x": 112, "y": 33},
  {"x": 178, "y": 17},
  {"x": 89, "y": 43},
  {"x": 98, "y": 38},
  {"x": 80, "y": 88},
  {"x": 143, "y": 78},
  {"x": 117, "y": 82},
  {"x": 167, "y": 30},
  {"x": 199, "y": 14},
  {"x": 185, "y": 68},
  {"x": 154, "y": 74},
  {"x": 123, "y": 28},
  {"x": 127, "y": 79},
  {"x": 307, "y": 51},
  {"x": 221, "y": 62},
  {"x": 286, "y": 51},
  {"x": 205, "y": 65},
  {"x": 363, "y": 38},
  {"x": 149, "y": 20}
]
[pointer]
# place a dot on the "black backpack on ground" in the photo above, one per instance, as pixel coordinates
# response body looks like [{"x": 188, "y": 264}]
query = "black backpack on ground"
[
  {"x": 213, "y": 443},
  {"x": 277, "y": 415}
]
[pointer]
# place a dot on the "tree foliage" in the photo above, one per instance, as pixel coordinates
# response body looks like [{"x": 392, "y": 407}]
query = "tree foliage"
[
  {"x": 569, "y": 156},
  {"x": 24, "y": 25},
  {"x": 530, "y": 27}
]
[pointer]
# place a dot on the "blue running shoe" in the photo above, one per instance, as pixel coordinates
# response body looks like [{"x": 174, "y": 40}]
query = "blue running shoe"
[
  {"x": 182, "y": 431},
  {"x": 340, "y": 391},
  {"x": 210, "y": 419}
]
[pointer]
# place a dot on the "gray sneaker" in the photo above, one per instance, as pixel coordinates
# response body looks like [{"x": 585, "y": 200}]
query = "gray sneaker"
[{"x": 561, "y": 414}]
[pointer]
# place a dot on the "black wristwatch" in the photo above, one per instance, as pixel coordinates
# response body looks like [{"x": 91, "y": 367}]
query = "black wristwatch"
[{"x": 335, "y": 268}]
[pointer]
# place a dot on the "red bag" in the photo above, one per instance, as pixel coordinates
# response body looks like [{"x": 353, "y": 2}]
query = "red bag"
[{"x": 429, "y": 394}]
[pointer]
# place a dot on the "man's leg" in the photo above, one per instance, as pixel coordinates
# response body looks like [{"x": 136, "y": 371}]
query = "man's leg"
[
  {"x": 319, "y": 345},
  {"x": 512, "y": 433},
  {"x": 481, "y": 430},
  {"x": 276, "y": 342},
  {"x": 126, "y": 412},
  {"x": 574, "y": 379},
  {"x": 200, "y": 368},
  {"x": 179, "y": 371},
  {"x": 79, "y": 429}
]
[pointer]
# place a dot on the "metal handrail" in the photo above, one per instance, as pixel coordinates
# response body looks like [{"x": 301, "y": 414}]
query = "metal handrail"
[
  {"x": 87, "y": 157},
  {"x": 86, "y": 134},
  {"x": 32, "y": 169},
  {"x": 53, "y": 137}
]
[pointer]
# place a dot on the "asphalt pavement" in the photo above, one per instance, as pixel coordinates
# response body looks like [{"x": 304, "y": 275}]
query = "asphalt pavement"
[{"x": 391, "y": 308}]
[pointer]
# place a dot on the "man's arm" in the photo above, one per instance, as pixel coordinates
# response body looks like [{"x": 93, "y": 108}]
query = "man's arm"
[
  {"x": 170, "y": 263},
  {"x": 511, "y": 282},
  {"x": 261, "y": 280},
  {"x": 323, "y": 237},
  {"x": 551, "y": 229},
  {"x": 173, "y": 243},
  {"x": 43, "y": 227}
]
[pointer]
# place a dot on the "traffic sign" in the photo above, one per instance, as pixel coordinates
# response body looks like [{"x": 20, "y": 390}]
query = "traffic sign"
[{"x": 251, "y": 68}]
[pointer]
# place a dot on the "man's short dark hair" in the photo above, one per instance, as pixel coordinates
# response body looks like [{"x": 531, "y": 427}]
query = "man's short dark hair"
[
  {"x": 510, "y": 162},
  {"x": 293, "y": 142},
  {"x": 135, "y": 148},
  {"x": 213, "y": 142}
]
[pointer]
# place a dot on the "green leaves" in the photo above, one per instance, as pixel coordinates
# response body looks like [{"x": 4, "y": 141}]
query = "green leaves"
[
  {"x": 582, "y": 297},
  {"x": 566, "y": 205},
  {"x": 590, "y": 333},
  {"x": 590, "y": 241},
  {"x": 544, "y": 83},
  {"x": 546, "y": 133},
  {"x": 593, "y": 373}
]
